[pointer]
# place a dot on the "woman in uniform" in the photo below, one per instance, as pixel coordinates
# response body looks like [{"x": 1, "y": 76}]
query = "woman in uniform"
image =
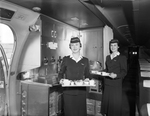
[
  {"x": 116, "y": 66},
  {"x": 74, "y": 67}
]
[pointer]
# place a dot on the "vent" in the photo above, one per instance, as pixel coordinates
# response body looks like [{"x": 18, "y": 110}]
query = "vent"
[{"x": 6, "y": 14}]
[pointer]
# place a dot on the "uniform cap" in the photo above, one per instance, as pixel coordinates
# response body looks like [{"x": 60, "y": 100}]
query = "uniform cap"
[
  {"x": 74, "y": 40},
  {"x": 114, "y": 41}
]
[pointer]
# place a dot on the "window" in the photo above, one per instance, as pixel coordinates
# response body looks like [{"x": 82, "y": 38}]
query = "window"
[{"x": 7, "y": 40}]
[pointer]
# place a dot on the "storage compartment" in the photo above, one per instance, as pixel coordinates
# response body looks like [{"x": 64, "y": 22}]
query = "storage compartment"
[
  {"x": 94, "y": 97},
  {"x": 40, "y": 99}
]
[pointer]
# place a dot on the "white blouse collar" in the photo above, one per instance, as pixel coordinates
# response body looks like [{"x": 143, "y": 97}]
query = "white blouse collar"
[
  {"x": 80, "y": 57},
  {"x": 116, "y": 54}
]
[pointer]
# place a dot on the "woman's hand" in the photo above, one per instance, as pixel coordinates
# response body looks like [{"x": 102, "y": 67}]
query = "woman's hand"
[{"x": 112, "y": 75}]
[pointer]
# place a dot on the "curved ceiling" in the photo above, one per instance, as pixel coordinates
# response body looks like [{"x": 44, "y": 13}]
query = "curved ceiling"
[
  {"x": 135, "y": 26},
  {"x": 129, "y": 19},
  {"x": 71, "y": 12}
]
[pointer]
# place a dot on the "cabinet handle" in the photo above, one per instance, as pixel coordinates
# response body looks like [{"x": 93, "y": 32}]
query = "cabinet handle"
[
  {"x": 52, "y": 33},
  {"x": 55, "y": 34}
]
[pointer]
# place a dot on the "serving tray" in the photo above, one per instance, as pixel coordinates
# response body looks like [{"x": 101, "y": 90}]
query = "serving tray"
[
  {"x": 84, "y": 85},
  {"x": 71, "y": 83},
  {"x": 100, "y": 73}
]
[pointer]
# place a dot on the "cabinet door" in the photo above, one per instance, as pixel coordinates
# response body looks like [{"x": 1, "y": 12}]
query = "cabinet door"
[
  {"x": 48, "y": 40},
  {"x": 34, "y": 99},
  {"x": 93, "y": 45}
]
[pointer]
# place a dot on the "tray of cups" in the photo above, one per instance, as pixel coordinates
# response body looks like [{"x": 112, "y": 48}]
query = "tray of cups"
[
  {"x": 99, "y": 73},
  {"x": 77, "y": 83}
]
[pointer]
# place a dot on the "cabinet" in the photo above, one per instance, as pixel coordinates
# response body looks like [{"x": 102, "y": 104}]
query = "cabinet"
[
  {"x": 94, "y": 97},
  {"x": 40, "y": 99},
  {"x": 55, "y": 39},
  {"x": 92, "y": 44}
]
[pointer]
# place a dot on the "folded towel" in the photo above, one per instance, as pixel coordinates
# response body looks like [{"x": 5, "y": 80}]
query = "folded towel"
[
  {"x": 146, "y": 83},
  {"x": 148, "y": 108},
  {"x": 145, "y": 73}
]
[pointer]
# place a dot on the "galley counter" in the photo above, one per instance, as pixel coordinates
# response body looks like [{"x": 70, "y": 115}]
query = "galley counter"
[{"x": 40, "y": 99}]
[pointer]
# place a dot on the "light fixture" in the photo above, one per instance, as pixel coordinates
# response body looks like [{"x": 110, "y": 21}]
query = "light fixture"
[
  {"x": 34, "y": 28},
  {"x": 74, "y": 19},
  {"x": 84, "y": 24},
  {"x": 37, "y": 9}
]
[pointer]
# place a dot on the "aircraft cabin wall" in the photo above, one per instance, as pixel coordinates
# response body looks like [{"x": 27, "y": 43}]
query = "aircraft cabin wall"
[{"x": 19, "y": 22}]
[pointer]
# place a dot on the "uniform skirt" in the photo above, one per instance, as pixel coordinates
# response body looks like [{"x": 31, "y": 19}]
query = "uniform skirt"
[
  {"x": 112, "y": 100},
  {"x": 75, "y": 105}
]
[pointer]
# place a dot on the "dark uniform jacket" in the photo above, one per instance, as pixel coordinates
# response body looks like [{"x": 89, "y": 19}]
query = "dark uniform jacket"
[
  {"x": 117, "y": 65},
  {"x": 72, "y": 70}
]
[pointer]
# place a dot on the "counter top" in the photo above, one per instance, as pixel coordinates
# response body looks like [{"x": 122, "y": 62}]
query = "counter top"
[{"x": 36, "y": 83}]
